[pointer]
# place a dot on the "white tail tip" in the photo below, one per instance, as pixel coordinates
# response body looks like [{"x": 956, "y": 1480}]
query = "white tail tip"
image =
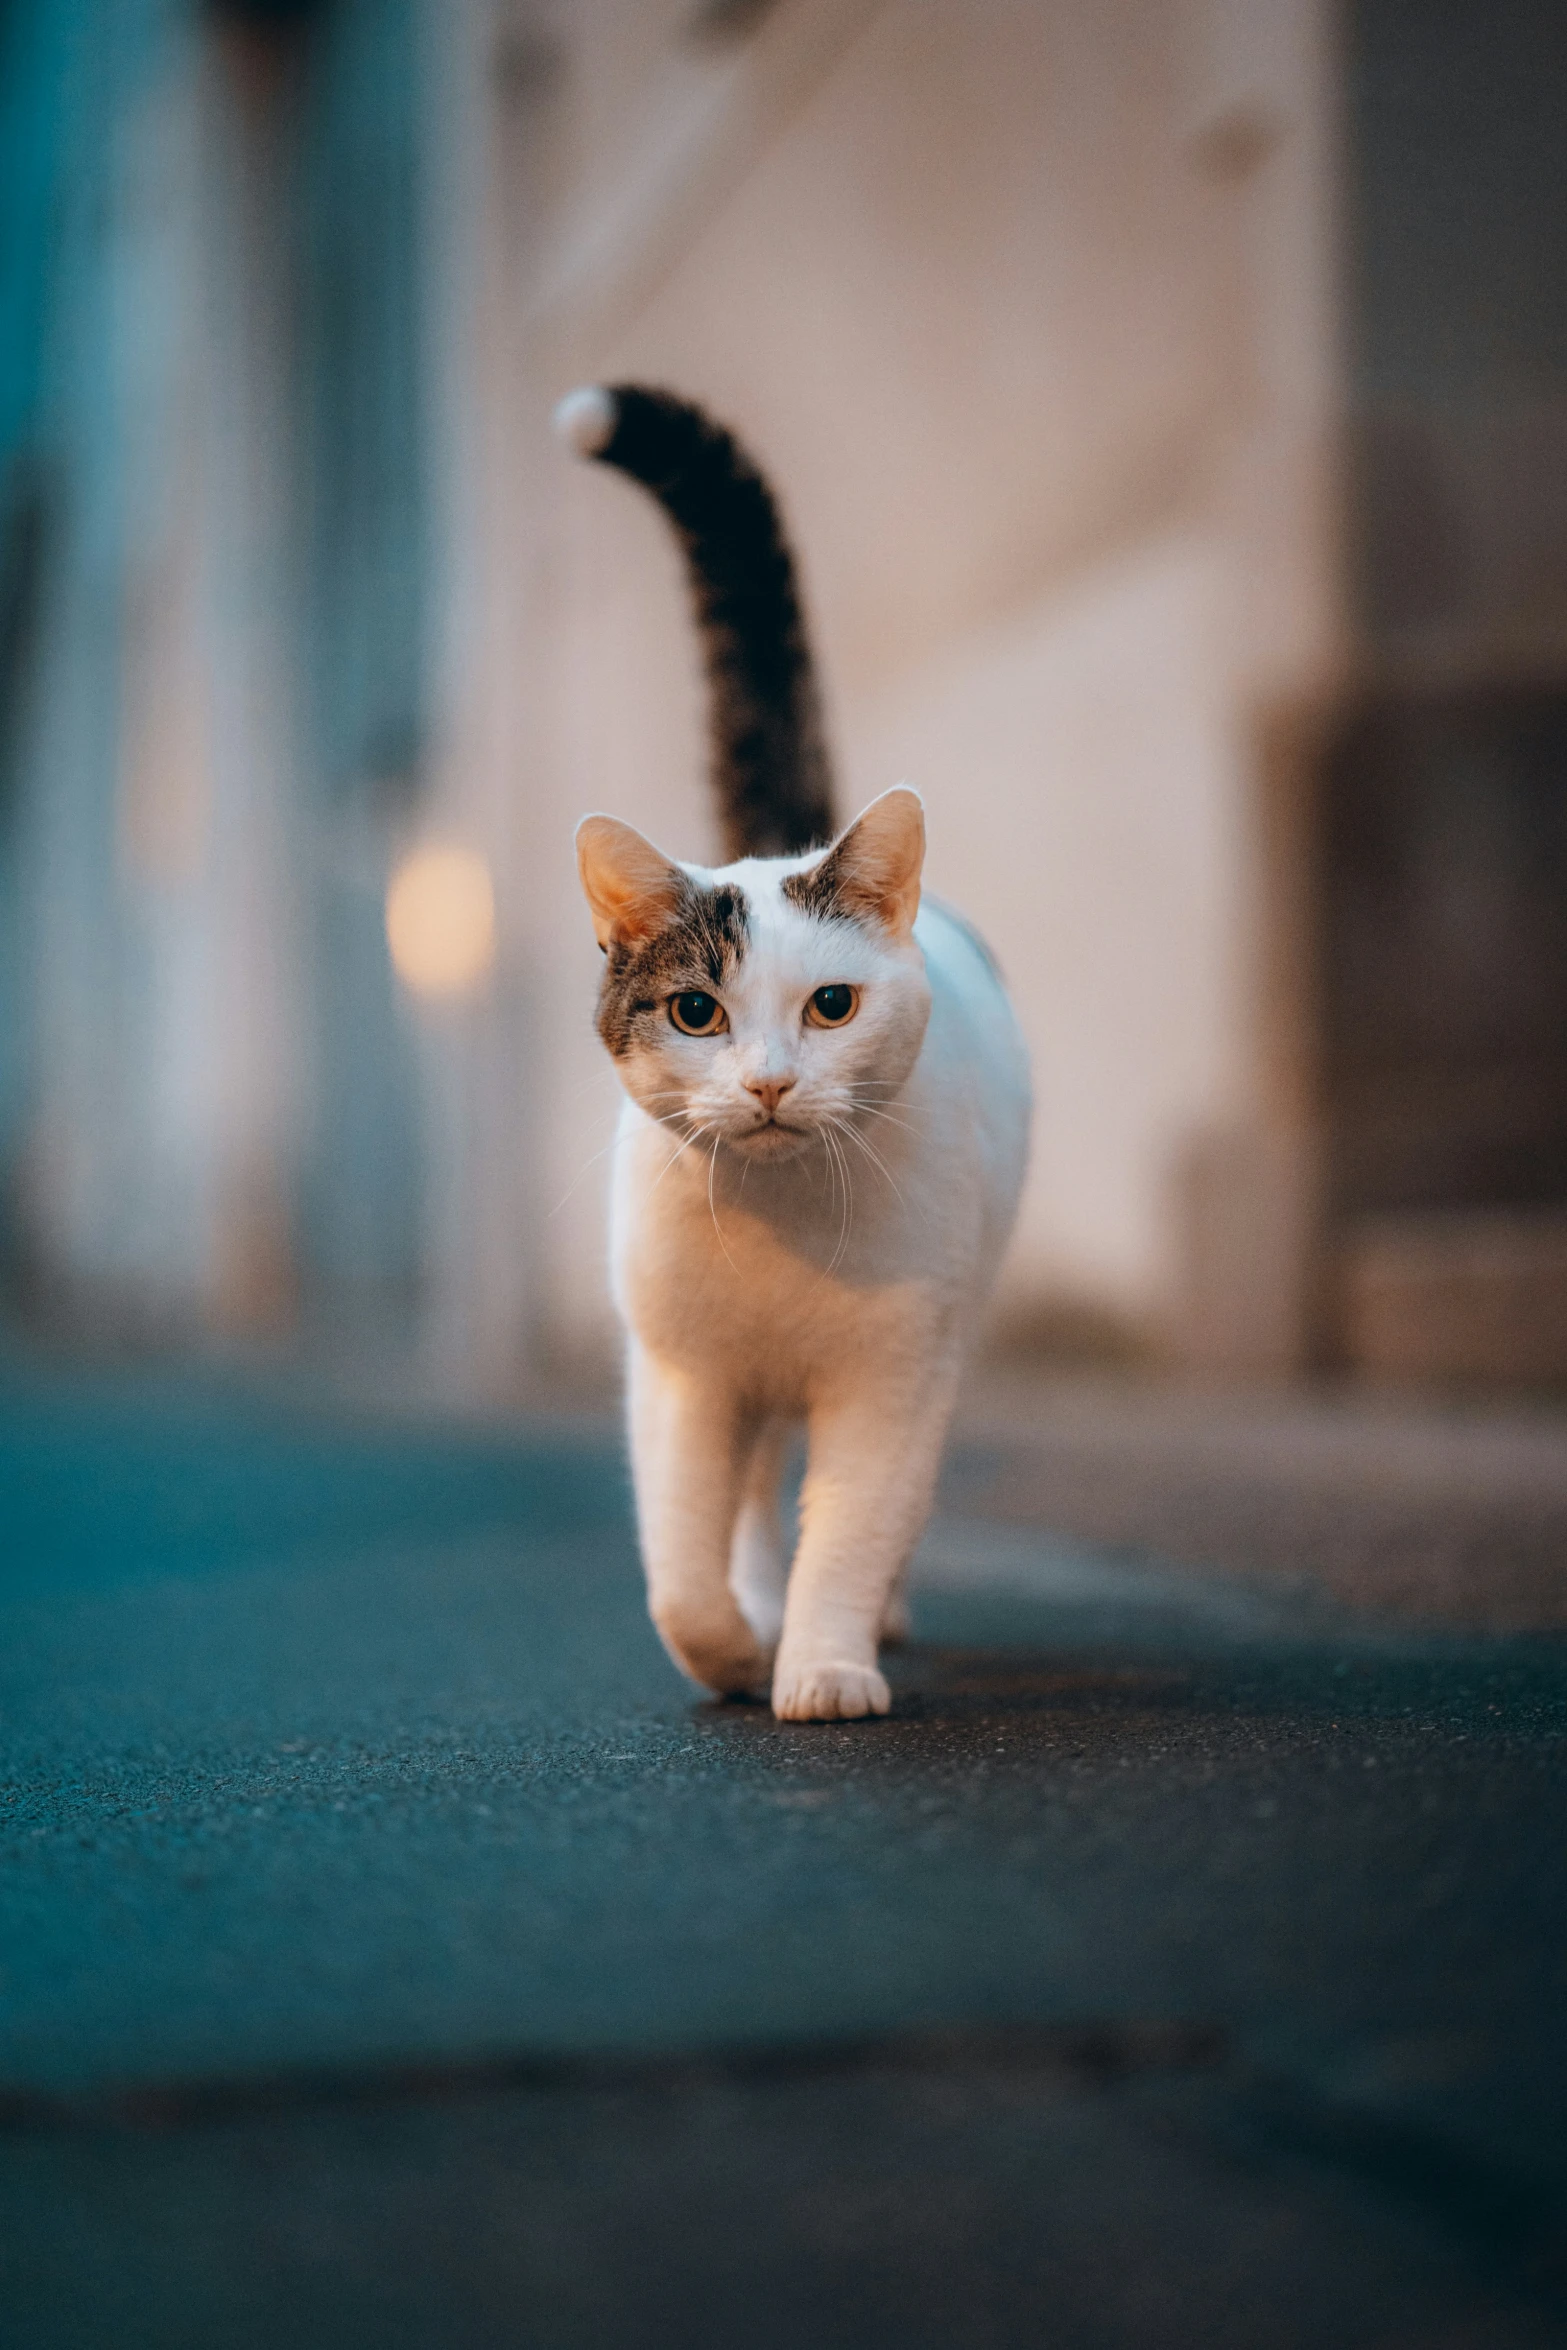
[{"x": 585, "y": 419}]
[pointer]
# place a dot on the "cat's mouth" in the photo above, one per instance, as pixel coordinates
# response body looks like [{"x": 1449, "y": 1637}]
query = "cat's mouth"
[{"x": 771, "y": 1135}]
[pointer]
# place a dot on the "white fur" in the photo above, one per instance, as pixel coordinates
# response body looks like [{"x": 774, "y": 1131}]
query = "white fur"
[
  {"x": 834, "y": 1275},
  {"x": 585, "y": 419}
]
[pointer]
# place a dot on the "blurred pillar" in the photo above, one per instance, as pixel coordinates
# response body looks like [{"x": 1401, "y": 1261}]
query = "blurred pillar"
[
  {"x": 258, "y": 854},
  {"x": 361, "y": 646},
  {"x": 154, "y": 1172},
  {"x": 482, "y": 1060}
]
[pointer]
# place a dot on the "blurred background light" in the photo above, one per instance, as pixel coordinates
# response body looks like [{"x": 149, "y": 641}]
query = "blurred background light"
[{"x": 440, "y": 921}]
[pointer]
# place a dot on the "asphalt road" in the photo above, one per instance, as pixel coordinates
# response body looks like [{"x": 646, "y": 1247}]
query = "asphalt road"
[{"x": 394, "y": 1952}]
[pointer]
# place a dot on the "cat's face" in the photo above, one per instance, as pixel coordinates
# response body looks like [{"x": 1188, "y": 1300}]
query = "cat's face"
[{"x": 759, "y": 1005}]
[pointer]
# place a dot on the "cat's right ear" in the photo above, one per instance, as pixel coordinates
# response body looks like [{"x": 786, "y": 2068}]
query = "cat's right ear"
[{"x": 632, "y": 889}]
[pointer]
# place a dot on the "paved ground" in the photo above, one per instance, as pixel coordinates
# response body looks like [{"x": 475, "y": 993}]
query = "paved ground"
[
  {"x": 392, "y": 1951},
  {"x": 1444, "y": 1509}
]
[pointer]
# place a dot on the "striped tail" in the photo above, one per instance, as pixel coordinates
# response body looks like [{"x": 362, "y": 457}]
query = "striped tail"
[{"x": 769, "y": 759}]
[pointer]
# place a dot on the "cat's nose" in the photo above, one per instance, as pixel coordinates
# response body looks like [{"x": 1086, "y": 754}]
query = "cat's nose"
[{"x": 769, "y": 1091}]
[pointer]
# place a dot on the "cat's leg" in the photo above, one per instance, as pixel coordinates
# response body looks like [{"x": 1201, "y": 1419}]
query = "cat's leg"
[
  {"x": 896, "y": 1620},
  {"x": 868, "y": 1489},
  {"x": 758, "y": 1568},
  {"x": 689, "y": 1444}
]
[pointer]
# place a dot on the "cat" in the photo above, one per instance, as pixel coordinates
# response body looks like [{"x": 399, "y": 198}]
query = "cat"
[{"x": 819, "y": 1158}]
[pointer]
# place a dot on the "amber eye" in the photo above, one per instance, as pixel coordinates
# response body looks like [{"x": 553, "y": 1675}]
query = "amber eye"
[
  {"x": 696, "y": 1013},
  {"x": 829, "y": 1007}
]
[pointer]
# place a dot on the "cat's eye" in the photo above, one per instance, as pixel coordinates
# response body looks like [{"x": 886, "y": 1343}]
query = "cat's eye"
[
  {"x": 695, "y": 1013},
  {"x": 829, "y": 1007}
]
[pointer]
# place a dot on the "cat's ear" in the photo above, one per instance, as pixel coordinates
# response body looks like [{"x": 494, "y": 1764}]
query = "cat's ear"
[
  {"x": 632, "y": 888},
  {"x": 874, "y": 867}
]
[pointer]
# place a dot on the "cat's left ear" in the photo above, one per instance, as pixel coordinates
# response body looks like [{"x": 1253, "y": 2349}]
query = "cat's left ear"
[
  {"x": 874, "y": 868},
  {"x": 633, "y": 890}
]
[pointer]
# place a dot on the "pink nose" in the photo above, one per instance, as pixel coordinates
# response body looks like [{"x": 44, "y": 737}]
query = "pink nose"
[{"x": 769, "y": 1091}]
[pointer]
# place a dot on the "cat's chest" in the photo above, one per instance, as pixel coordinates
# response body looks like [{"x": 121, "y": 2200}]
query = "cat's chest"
[{"x": 707, "y": 1282}]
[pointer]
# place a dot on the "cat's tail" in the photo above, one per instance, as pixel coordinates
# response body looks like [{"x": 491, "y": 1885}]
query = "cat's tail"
[{"x": 769, "y": 757}]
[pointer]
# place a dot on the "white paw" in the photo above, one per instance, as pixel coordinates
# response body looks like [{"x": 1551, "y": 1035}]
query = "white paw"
[{"x": 828, "y": 1692}]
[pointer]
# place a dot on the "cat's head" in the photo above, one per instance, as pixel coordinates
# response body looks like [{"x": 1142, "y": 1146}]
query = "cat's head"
[{"x": 758, "y": 1003}]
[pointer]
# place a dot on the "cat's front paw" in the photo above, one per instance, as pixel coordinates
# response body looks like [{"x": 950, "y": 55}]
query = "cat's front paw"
[
  {"x": 828, "y": 1692},
  {"x": 715, "y": 1647}
]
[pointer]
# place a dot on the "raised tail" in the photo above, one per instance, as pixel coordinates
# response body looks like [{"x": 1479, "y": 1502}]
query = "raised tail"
[{"x": 769, "y": 759}]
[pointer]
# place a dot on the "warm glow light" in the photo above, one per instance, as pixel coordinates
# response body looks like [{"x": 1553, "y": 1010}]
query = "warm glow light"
[{"x": 440, "y": 921}]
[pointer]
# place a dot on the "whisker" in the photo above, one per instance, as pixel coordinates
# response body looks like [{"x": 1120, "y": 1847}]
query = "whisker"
[
  {"x": 863, "y": 1141},
  {"x": 835, "y": 1162},
  {"x": 858, "y": 1109},
  {"x": 869, "y": 1110},
  {"x": 848, "y": 1204},
  {"x": 865, "y": 1101},
  {"x": 713, "y": 1210},
  {"x": 678, "y": 1152},
  {"x": 832, "y": 1171},
  {"x": 665, "y": 1117},
  {"x": 603, "y": 1075},
  {"x": 661, "y": 1093},
  {"x": 849, "y": 1135},
  {"x": 879, "y": 1163},
  {"x": 582, "y": 1172}
]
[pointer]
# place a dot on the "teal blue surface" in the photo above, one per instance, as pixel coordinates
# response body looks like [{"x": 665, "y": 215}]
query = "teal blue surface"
[{"x": 342, "y": 1751}]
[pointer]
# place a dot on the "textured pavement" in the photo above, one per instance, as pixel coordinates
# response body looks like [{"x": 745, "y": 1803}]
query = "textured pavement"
[{"x": 394, "y": 1951}]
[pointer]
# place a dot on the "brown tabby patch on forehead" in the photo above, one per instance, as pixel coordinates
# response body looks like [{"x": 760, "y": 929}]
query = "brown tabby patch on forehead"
[
  {"x": 832, "y": 890},
  {"x": 703, "y": 940}
]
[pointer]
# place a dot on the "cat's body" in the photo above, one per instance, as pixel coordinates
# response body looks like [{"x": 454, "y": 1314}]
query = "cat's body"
[{"x": 815, "y": 1177}]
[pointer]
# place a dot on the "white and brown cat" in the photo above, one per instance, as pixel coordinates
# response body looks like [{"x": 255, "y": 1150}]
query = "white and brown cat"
[{"x": 819, "y": 1159}]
